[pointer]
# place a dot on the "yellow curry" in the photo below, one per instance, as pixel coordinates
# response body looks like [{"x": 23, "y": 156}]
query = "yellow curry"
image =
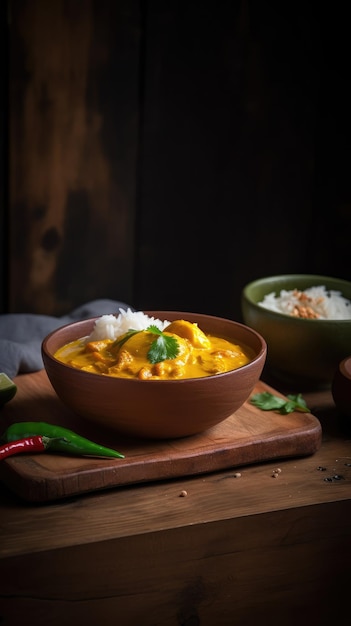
[{"x": 130, "y": 356}]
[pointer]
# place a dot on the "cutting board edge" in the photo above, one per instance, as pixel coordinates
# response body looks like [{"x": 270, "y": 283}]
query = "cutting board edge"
[{"x": 44, "y": 490}]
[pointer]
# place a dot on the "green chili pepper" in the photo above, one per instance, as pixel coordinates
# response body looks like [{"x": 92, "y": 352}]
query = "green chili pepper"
[{"x": 64, "y": 440}]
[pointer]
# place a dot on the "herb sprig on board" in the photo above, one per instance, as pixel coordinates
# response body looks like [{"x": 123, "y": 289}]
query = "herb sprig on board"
[
  {"x": 163, "y": 348},
  {"x": 267, "y": 401}
]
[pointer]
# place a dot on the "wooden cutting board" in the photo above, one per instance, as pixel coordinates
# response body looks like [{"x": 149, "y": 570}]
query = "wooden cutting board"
[{"x": 248, "y": 436}]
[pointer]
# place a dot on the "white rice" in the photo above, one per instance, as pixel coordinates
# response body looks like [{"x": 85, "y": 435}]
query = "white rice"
[
  {"x": 322, "y": 304},
  {"x": 113, "y": 326}
]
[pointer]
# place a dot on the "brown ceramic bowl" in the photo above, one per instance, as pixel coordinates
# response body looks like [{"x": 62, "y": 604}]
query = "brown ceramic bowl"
[
  {"x": 341, "y": 387},
  {"x": 157, "y": 409}
]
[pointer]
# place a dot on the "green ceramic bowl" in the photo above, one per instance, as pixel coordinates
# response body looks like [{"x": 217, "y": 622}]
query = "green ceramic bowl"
[{"x": 300, "y": 351}]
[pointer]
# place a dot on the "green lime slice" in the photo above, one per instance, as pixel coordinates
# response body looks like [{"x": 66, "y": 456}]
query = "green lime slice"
[{"x": 8, "y": 389}]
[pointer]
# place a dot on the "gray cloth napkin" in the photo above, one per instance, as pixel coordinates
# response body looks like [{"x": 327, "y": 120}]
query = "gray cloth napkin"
[{"x": 21, "y": 334}]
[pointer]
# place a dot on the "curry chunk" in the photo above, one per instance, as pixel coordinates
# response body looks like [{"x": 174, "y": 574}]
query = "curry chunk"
[
  {"x": 97, "y": 346},
  {"x": 189, "y": 331}
]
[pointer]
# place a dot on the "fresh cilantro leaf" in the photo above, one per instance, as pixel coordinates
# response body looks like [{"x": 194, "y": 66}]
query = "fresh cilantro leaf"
[
  {"x": 154, "y": 329},
  {"x": 300, "y": 404},
  {"x": 163, "y": 348},
  {"x": 267, "y": 401},
  {"x": 288, "y": 407}
]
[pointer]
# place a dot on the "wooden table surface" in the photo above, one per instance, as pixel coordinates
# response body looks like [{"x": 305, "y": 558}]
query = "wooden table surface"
[{"x": 267, "y": 541}]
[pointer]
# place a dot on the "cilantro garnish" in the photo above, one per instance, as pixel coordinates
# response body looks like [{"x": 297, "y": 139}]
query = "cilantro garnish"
[
  {"x": 163, "y": 348},
  {"x": 267, "y": 401}
]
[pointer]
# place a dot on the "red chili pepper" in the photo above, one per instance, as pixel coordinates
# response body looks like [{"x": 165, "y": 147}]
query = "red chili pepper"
[{"x": 38, "y": 443}]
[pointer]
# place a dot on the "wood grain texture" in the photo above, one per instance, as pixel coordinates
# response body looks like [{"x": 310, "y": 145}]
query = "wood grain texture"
[
  {"x": 303, "y": 484},
  {"x": 132, "y": 122},
  {"x": 73, "y": 150},
  {"x": 248, "y": 436},
  {"x": 232, "y": 571},
  {"x": 233, "y": 551}
]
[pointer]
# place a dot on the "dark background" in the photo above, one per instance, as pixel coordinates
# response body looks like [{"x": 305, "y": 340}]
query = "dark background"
[{"x": 166, "y": 153}]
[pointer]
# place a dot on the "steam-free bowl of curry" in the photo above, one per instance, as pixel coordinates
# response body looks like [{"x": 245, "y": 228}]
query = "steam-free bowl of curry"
[{"x": 165, "y": 403}]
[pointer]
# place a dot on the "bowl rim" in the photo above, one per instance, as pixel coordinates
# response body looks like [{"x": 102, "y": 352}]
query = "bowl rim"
[
  {"x": 345, "y": 368},
  {"x": 261, "y": 354},
  {"x": 282, "y": 277}
]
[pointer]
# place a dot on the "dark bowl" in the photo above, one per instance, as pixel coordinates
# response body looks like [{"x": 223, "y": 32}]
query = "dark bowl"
[
  {"x": 341, "y": 387},
  {"x": 157, "y": 409},
  {"x": 299, "y": 351}
]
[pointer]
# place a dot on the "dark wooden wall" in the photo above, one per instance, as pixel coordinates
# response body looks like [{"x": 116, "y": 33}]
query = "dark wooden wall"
[{"x": 166, "y": 153}]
